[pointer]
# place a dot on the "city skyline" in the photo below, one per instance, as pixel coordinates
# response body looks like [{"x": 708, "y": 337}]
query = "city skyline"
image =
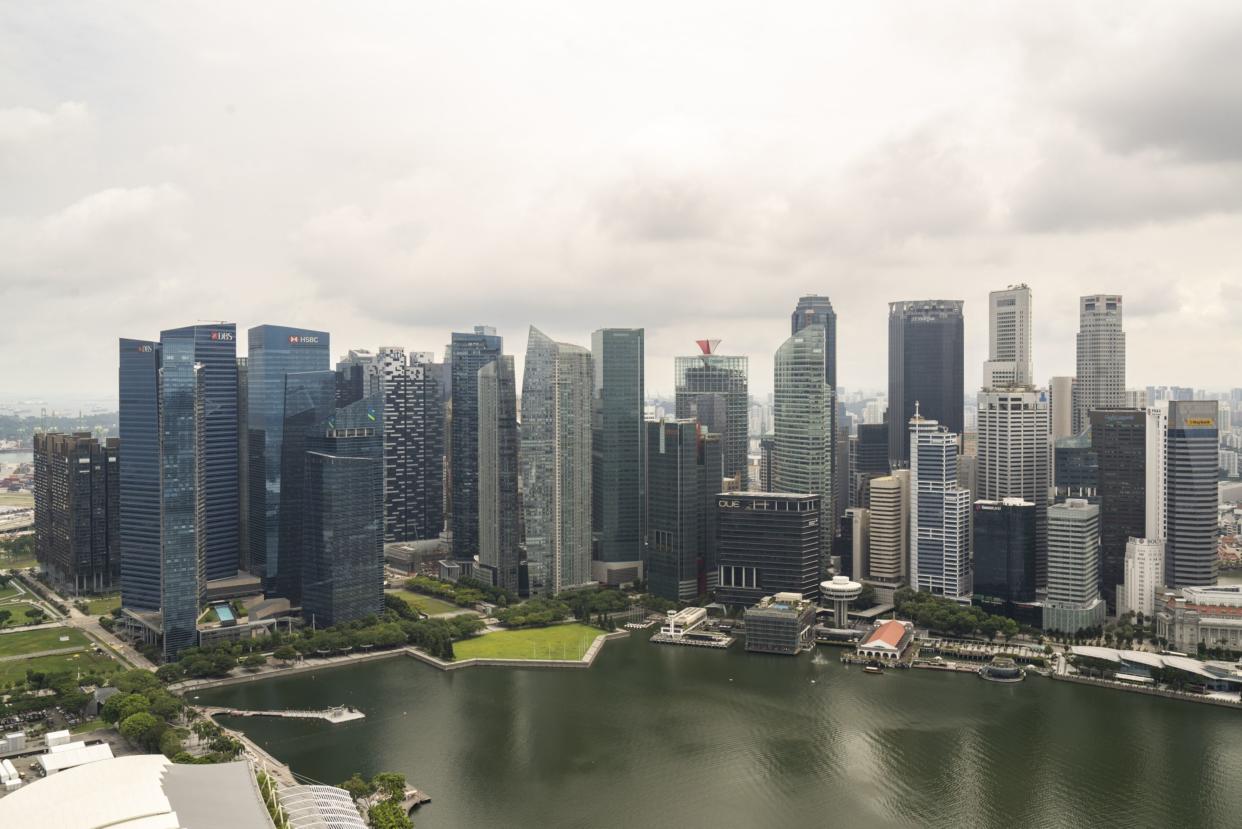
[{"x": 1086, "y": 162}]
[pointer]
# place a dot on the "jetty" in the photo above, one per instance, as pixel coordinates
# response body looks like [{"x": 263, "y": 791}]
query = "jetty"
[
  {"x": 413, "y": 799},
  {"x": 334, "y": 715}
]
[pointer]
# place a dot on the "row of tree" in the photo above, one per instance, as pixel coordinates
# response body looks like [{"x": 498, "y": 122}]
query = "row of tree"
[
  {"x": 942, "y": 615},
  {"x": 382, "y": 797}
]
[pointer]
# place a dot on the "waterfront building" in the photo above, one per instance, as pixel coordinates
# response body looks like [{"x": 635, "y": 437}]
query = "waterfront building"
[
  {"x": 1208, "y": 616},
  {"x": 342, "y": 559},
  {"x": 77, "y": 491},
  {"x": 684, "y": 472},
  {"x": 1013, "y": 456},
  {"x": 555, "y": 463},
  {"x": 840, "y": 591},
  {"x": 939, "y": 513},
  {"x": 767, "y": 543},
  {"x": 139, "y": 422},
  {"x": 888, "y": 641},
  {"x": 1061, "y": 404},
  {"x": 1009, "y": 339},
  {"x": 1119, "y": 441},
  {"x": 889, "y": 527},
  {"x": 617, "y": 456},
  {"x": 1074, "y": 601},
  {"x": 469, "y": 352},
  {"x": 925, "y": 343},
  {"x": 802, "y": 419},
  {"x": 274, "y": 352},
  {"x": 1005, "y": 551},
  {"x": 712, "y": 388},
  {"x": 783, "y": 623},
  {"x": 1144, "y": 575},
  {"x": 500, "y": 538},
  {"x": 1101, "y": 379},
  {"x": 214, "y": 347}
]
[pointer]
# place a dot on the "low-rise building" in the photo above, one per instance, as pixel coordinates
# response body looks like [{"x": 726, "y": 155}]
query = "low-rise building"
[
  {"x": 1208, "y": 615},
  {"x": 888, "y": 641},
  {"x": 783, "y": 623}
]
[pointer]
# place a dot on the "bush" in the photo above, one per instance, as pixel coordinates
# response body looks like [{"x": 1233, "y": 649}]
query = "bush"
[{"x": 143, "y": 730}]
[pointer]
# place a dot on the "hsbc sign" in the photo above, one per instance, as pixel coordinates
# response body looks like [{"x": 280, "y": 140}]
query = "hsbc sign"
[{"x": 303, "y": 339}]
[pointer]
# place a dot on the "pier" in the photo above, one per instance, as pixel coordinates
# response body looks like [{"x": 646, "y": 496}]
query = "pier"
[
  {"x": 336, "y": 714},
  {"x": 413, "y": 799}
]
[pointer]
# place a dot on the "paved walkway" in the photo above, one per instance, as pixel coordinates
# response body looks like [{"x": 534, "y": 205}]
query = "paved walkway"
[{"x": 36, "y": 654}]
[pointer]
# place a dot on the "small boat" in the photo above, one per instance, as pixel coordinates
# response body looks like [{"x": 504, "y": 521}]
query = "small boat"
[{"x": 873, "y": 668}]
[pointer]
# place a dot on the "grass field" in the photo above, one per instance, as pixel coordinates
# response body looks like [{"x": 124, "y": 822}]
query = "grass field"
[
  {"x": 427, "y": 604},
  {"x": 85, "y": 661},
  {"x": 555, "y": 642},
  {"x": 18, "y": 609},
  {"x": 11, "y": 562},
  {"x": 16, "y": 499},
  {"x": 47, "y": 639},
  {"x": 89, "y": 725},
  {"x": 103, "y": 605},
  {"x": 7, "y": 592}
]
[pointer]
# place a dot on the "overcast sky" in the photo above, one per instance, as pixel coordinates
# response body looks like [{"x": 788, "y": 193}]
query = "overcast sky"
[{"x": 393, "y": 172}]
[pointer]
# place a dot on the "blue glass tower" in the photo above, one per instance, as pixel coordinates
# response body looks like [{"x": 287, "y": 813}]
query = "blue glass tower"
[
  {"x": 274, "y": 351},
  {"x": 470, "y": 353},
  {"x": 310, "y": 401},
  {"x": 140, "y": 474},
  {"x": 214, "y": 347}
]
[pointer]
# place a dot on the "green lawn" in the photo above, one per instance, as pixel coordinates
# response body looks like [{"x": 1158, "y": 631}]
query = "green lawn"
[
  {"x": 7, "y": 592},
  {"x": 85, "y": 661},
  {"x": 103, "y": 605},
  {"x": 89, "y": 725},
  {"x": 16, "y": 499},
  {"x": 46, "y": 639},
  {"x": 427, "y": 604},
  {"x": 16, "y": 562},
  {"x": 18, "y": 611},
  {"x": 555, "y": 642}
]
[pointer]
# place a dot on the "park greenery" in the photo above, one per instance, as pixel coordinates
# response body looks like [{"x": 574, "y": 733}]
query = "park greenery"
[
  {"x": 946, "y": 616},
  {"x": 152, "y": 719},
  {"x": 381, "y": 797}
]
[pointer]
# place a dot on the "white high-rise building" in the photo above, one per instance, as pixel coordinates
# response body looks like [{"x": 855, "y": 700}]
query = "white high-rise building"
[
  {"x": 1009, "y": 339},
  {"x": 1074, "y": 602},
  {"x": 1061, "y": 402},
  {"x": 1101, "y": 379},
  {"x": 889, "y": 527},
  {"x": 1144, "y": 575},
  {"x": 555, "y": 460},
  {"x": 802, "y": 421},
  {"x": 939, "y": 513},
  {"x": 1014, "y": 456}
]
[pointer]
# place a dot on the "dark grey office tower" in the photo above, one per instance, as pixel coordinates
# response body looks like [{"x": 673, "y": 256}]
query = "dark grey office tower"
[
  {"x": 1004, "y": 536},
  {"x": 413, "y": 445},
  {"x": 712, "y": 389},
  {"x": 618, "y": 488},
  {"x": 841, "y": 474},
  {"x": 925, "y": 367},
  {"x": 342, "y": 562},
  {"x": 274, "y": 351},
  {"x": 1191, "y": 496},
  {"x": 684, "y": 470},
  {"x": 500, "y": 511},
  {"x": 77, "y": 490},
  {"x": 1075, "y": 466},
  {"x": 1119, "y": 440},
  {"x": 767, "y": 543},
  {"x": 470, "y": 352},
  {"x": 185, "y": 424},
  {"x": 309, "y": 406},
  {"x": 243, "y": 463},
  {"x": 139, "y": 421},
  {"x": 215, "y": 349},
  {"x": 868, "y": 460},
  {"x": 817, "y": 310}
]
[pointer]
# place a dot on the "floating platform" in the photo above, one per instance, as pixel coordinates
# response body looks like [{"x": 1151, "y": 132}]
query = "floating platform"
[
  {"x": 719, "y": 643},
  {"x": 337, "y": 714}
]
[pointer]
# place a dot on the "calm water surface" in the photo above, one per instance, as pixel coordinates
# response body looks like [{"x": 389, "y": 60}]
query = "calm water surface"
[{"x": 657, "y": 736}]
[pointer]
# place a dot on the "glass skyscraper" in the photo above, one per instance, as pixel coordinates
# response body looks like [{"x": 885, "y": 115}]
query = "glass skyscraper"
[
  {"x": 470, "y": 352},
  {"x": 924, "y": 367},
  {"x": 619, "y": 483},
  {"x": 310, "y": 401},
  {"x": 274, "y": 351},
  {"x": 1119, "y": 441},
  {"x": 1004, "y": 534},
  {"x": 342, "y": 557},
  {"x": 139, "y": 422},
  {"x": 713, "y": 389},
  {"x": 684, "y": 473},
  {"x": 500, "y": 533},
  {"x": 214, "y": 347}
]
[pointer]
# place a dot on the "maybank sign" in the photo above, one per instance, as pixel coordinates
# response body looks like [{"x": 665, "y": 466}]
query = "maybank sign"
[{"x": 1200, "y": 422}]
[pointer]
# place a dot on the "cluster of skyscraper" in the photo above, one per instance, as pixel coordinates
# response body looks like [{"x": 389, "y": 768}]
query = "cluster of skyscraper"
[{"x": 276, "y": 468}]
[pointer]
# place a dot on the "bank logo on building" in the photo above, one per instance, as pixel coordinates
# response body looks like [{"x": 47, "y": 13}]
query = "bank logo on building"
[
  {"x": 303, "y": 339},
  {"x": 222, "y": 336}
]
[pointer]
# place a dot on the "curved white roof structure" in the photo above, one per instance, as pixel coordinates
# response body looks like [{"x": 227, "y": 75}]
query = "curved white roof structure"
[{"x": 146, "y": 791}]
